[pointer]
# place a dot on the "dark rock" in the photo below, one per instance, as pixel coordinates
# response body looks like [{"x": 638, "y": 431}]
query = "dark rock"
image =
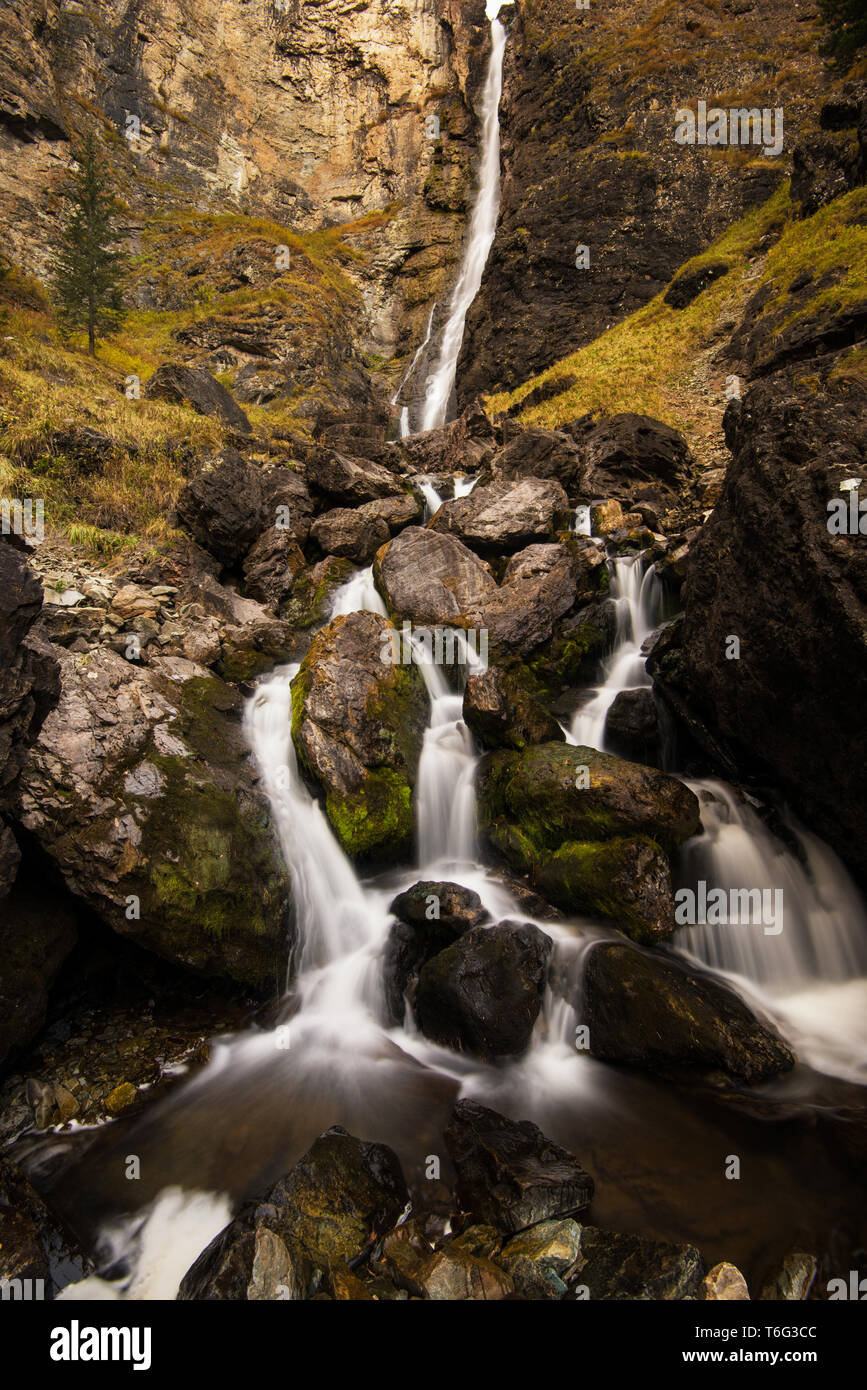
[
  {"x": 624, "y": 452},
  {"x": 612, "y": 1266},
  {"x": 223, "y": 507},
  {"x": 792, "y": 1280},
  {"x": 541, "y": 453},
  {"x": 358, "y": 725},
  {"x": 691, "y": 283},
  {"x": 37, "y": 933},
  {"x": 766, "y": 550},
  {"x": 10, "y": 859},
  {"x": 626, "y": 880},
  {"x": 510, "y": 1175},
  {"x": 350, "y": 481},
  {"x": 500, "y": 709},
  {"x": 430, "y": 916},
  {"x": 651, "y": 1011},
  {"x": 632, "y": 726},
  {"x": 483, "y": 994},
  {"x": 272, "y": 566},
  {"x": 87, "y": 449},
  {"x": 195, "y": 387},
  {"x": 539, "y": 587},
  {"x": 29, "y": 674}
]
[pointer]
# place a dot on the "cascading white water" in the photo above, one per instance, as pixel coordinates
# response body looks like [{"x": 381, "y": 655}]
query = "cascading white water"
[
  {"x": 446, "y": 799},
  {"x": 405, "y": 418},
  {"x": 811, "y": 977},
  {"x": 358, "y": 594},
  {"x": 483, "y": 226},
  {"x": 637, "y": 593}
]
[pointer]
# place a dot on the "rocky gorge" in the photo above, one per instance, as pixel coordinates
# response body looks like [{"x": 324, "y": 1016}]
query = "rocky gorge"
[{"x": 351, "y": 772}]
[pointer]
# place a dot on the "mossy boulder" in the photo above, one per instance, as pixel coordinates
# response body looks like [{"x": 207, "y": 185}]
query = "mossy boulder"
[
  {"x": 430, "y": 916},
  {"x": 501, "y": 709},
  {"x": 590, "y": 830},
  {"x": 141, "y": 791},
  {"x": 358, "y": 724},
  {"x": 626, "y": 879}
]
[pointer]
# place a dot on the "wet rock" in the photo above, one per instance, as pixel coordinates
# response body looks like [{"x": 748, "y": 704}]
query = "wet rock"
[
  {"x": 141, "y": 792},
  {"x": 627, "y": 880},
  {"x": 612, "y": 1266},
  {"x": 483, "y": 994},
  {"x": 537, "y": 1258},
  {"x": 724, "y": 1283},
  {"x": 358, "y": 725},
  {"x": 542, "y": 789},
  {"x": 272, "y": 566},
  {"x": 501, "y": 710},
  {"x": 510, "y": 1175},
  {"x": 767, "y": 549},
  {"x": 313, "y": 592},
  {"x": 222, "y": 507},
  {"x": 327, "y": 1211},
  {"x": 354, "y": 533},
  {"x": 577, "y": 645},
  {"x": 430, "y": 578},
  {"x": 452, "y": 1273},
  {"x": 195, "y": 387},
  {"x": 632, "y": 726},
  {"x": 430, "y": 916},
  {"x": 37, "y": 934},
  {"x": 651, "y": 1011},
  {"x": 505, "y": 516},
  {"x": 32, "y": 1245},
  {"x": 606, "y": 516},
  {"x": 793, "y": 1279}
]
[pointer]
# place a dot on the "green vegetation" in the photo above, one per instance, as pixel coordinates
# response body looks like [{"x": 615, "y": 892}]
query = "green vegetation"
[{"x": 87, "y": 268}]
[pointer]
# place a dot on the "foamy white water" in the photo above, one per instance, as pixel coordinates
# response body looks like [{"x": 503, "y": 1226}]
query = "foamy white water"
[{"x": 483, "y": 226}]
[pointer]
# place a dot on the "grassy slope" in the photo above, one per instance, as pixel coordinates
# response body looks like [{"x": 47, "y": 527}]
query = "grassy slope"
[
  {"x": 659, "y": 361},
  {"x": 47, "y": 386}
]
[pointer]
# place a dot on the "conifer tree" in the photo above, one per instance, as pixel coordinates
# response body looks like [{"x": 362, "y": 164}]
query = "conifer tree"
[{"x": 87, "y": 269}]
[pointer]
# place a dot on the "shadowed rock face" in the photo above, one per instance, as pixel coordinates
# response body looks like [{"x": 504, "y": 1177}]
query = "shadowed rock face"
[
  {"x": 29, "y": 677},
  {"x": 766, "y": 570},
  {"x": 650, "y": 1011}
]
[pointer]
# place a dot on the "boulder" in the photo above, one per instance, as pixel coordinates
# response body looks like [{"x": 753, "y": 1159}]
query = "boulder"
[
  {"x": 509, "y": 1175},
  {"x": 539, "y": 453},
  {"x": 724, "y": 1284},
  {"x": 350, "y": 481},
  {"x": 765, "y": 552},
  {"x": 792, "y": 1279},
  {"x": 222, "y": 507},
  {"x": 141, "y": 791},
  {"x": 195, "y": 387},
  {"x": 354, "y": 533},
  {"x": 358, "y": 724},
  {"x": 652, "y": 1011},
  {"x": 539, "y": 587},
  {"x": 502, "y": 712},
  {"x": 505, "y": 516},
  {"x": 272, "y": 566},
  {"x": 426, "y": 577},
  {"x": 430, "y": 915},
  {"x": 626, "y": 454},
  {"x": 614, "y": 1266},
  {"x": 535, "y": 1259},
  {"x": 627, "y": 880},
  {"x": 577, "y": 646},
  {"x": 632, "y": 726},
  {"x": 327, "y": 1211},
  {"x": 483, "y": 994}
]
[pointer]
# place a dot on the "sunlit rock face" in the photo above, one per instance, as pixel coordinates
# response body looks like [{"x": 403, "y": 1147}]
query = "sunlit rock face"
[{"x": 307, "y": 113}]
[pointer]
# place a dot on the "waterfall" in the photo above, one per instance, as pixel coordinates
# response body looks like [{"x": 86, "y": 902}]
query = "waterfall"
[
  {"x": 483, "y": 226},
  {"x": 637, "y": 594}
]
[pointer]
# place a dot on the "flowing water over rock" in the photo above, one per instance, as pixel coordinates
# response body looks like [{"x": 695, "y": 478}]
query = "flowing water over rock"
[
  {"x": 238, "y": 1125},
  {"x": 483, "y": 225}
]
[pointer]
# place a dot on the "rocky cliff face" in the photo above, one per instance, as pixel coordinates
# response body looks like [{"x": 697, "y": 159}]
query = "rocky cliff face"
[
  {"x": 313, "y": 113},
  {"x": 590, "y": 159}
]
